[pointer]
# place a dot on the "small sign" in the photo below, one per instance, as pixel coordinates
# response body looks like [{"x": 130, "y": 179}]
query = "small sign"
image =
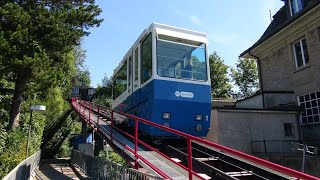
[
  {"x": 184, "y": 94},
  {"x": 187, "y": 94}
]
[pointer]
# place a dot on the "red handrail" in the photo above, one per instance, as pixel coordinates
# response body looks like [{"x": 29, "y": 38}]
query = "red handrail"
[
  {"x": 251, "y": 158},
  {"x": 155, "y": 150},
  {"x": 190, "y": 138},
  {"x": 92, "y": 124},
  {"x": 136, "y": 144}
]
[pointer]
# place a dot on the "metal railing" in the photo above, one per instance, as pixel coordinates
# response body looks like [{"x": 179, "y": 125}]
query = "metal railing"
[
  {"x": 25, "y": 168},
  {"x": 97, "y": 168},
  {"x": 278, "y": 147},
  {"x": 80, "y": 106}
]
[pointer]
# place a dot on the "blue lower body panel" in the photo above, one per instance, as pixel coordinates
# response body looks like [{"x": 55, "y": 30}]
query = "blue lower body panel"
[{"x": 158, "y": 97}]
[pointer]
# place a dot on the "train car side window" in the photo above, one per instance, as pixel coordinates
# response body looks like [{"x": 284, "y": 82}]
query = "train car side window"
[
  {"x": 129, "y": 74},
  {"x": 146, "y": 59},
  {"x": 136, "y": 67},
  {"x": 120, "y": 81}
]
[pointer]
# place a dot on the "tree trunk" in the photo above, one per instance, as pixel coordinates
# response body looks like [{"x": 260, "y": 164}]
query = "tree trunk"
[{"x": 16, "y": 104}]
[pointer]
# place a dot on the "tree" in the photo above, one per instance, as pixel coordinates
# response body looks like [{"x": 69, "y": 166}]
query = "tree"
[
  {"x": 104, "y": 92},
  {"x": 245, "y": 77},
  {"x": 35, "y": 40},
  {"x": 82, "y": 74},
  {"x": 107, "y": 82},
  {"x": 220, "y": 86}
]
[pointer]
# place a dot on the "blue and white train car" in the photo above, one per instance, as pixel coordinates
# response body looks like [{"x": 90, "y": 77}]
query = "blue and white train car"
[{"x": 164, "y": 78}]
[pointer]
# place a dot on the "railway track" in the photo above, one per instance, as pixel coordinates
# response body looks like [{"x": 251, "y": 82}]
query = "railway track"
[
  {"x": 207, "y": 162},
  {"x": 213, "y": 164}
]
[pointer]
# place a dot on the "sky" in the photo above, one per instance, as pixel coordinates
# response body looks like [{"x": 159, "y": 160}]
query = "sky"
[{"x": 231, "y": 26}]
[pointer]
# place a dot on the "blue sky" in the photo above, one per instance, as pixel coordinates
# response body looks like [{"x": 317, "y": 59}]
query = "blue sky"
[{"x": 231, "y": 26}]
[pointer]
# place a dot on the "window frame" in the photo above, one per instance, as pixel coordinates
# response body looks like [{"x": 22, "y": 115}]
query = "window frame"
[
  {"x": 129, "y": 74},
  {"x": 124, "y": 65},
  {"x": 191, "y": 45},
  {"x": 296, "y": 4},
  {"x": 142, "y": 79},
  {"x": 304, "y": 64},
  {"x": 136, "y": 67},
  {"x": 307, "y": 103},
  {"x": 290, "y": 127}
]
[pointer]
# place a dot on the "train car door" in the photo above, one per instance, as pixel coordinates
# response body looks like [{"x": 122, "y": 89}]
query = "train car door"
[
  {"x": 136, "y": 75},
  {"x": 129, "y": 76}
]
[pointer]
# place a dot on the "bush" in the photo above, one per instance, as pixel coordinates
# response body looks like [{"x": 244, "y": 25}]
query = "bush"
[{"x": 110, "y": 155}]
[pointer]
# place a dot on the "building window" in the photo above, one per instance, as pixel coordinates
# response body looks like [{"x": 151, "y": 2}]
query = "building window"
[
  {"x": 288, "y": 130},
  {"x": 311, "y": 104},
  {"x": 301, "y": 53},
  {"x": 295, "y": 6}
]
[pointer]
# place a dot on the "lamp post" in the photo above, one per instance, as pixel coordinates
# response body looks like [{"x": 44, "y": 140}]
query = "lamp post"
[
  {"x": 305, "y": 149},
  {"x": 32, "y": 108}
]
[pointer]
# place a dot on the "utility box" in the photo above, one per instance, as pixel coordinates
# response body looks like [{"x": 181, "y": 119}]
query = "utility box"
[{"x": 86, "y": 149}]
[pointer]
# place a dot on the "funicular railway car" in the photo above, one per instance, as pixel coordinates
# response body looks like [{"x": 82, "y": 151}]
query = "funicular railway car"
[{"x": 164, "y": 78}]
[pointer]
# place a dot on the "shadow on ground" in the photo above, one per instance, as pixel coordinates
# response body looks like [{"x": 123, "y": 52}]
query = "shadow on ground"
[{"x": 59, "y": 169}]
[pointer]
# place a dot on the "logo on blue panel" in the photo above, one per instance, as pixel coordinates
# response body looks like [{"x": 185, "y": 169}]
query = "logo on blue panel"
[{"x": 184, "y": 94}]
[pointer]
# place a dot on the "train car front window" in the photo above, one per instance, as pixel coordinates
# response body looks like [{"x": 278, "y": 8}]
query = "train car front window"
[{"x": 181, "y": 59}]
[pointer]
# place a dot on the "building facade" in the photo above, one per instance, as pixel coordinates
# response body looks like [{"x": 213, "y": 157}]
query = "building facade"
[
  {"x": 254, "y": 131},
  {"x": 288, "y": 58}
]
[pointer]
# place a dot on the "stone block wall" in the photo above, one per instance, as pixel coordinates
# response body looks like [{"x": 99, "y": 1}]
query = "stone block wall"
[{"x": 278, "y": 69}]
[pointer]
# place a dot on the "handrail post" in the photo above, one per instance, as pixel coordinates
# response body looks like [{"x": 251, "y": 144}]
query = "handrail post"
[
  {"x": 82, "y": 108},
  {"x": 136, "y": 144},
  {"x": 78, "y": 105},
  {"x": 98, "y": 116},
  {"x": 90, "y": 112},
  {"x": 189, "y": 157}
]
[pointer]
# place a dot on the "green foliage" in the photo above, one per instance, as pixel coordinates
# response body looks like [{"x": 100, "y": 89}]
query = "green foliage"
[
  {"x": 14, "y": 151},
  {"x": 246, "y": 77},
  {"x": 220, "y": 86},
  {"x": 103, "y": 101},
  {"x": 111, "y": 156},
  {"x": 37, "y": 37},
  {"x": 41, "y": 58},
  {"x": 81, "y": 75},
  {"x": 59, "y": 145},
  {"x": 66, "y": 148},
  {"x": 104, "y": 92},
  {"x": 3, "y": 137}
]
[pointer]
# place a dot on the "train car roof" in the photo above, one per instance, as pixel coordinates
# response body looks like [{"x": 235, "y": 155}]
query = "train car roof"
[{"x": 165, "y": 30}]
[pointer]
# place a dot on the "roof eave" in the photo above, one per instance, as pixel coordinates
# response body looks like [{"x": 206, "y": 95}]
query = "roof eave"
[{"x": 246, "y": 53}]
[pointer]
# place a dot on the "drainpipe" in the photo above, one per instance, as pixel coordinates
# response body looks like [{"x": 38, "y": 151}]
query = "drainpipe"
[
  {"x": 260, "y": 78},
  {"x": 299, "y": 127}
]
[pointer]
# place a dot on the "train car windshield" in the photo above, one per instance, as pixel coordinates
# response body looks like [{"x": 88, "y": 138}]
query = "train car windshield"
[{"x": 181, "y": 59}]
